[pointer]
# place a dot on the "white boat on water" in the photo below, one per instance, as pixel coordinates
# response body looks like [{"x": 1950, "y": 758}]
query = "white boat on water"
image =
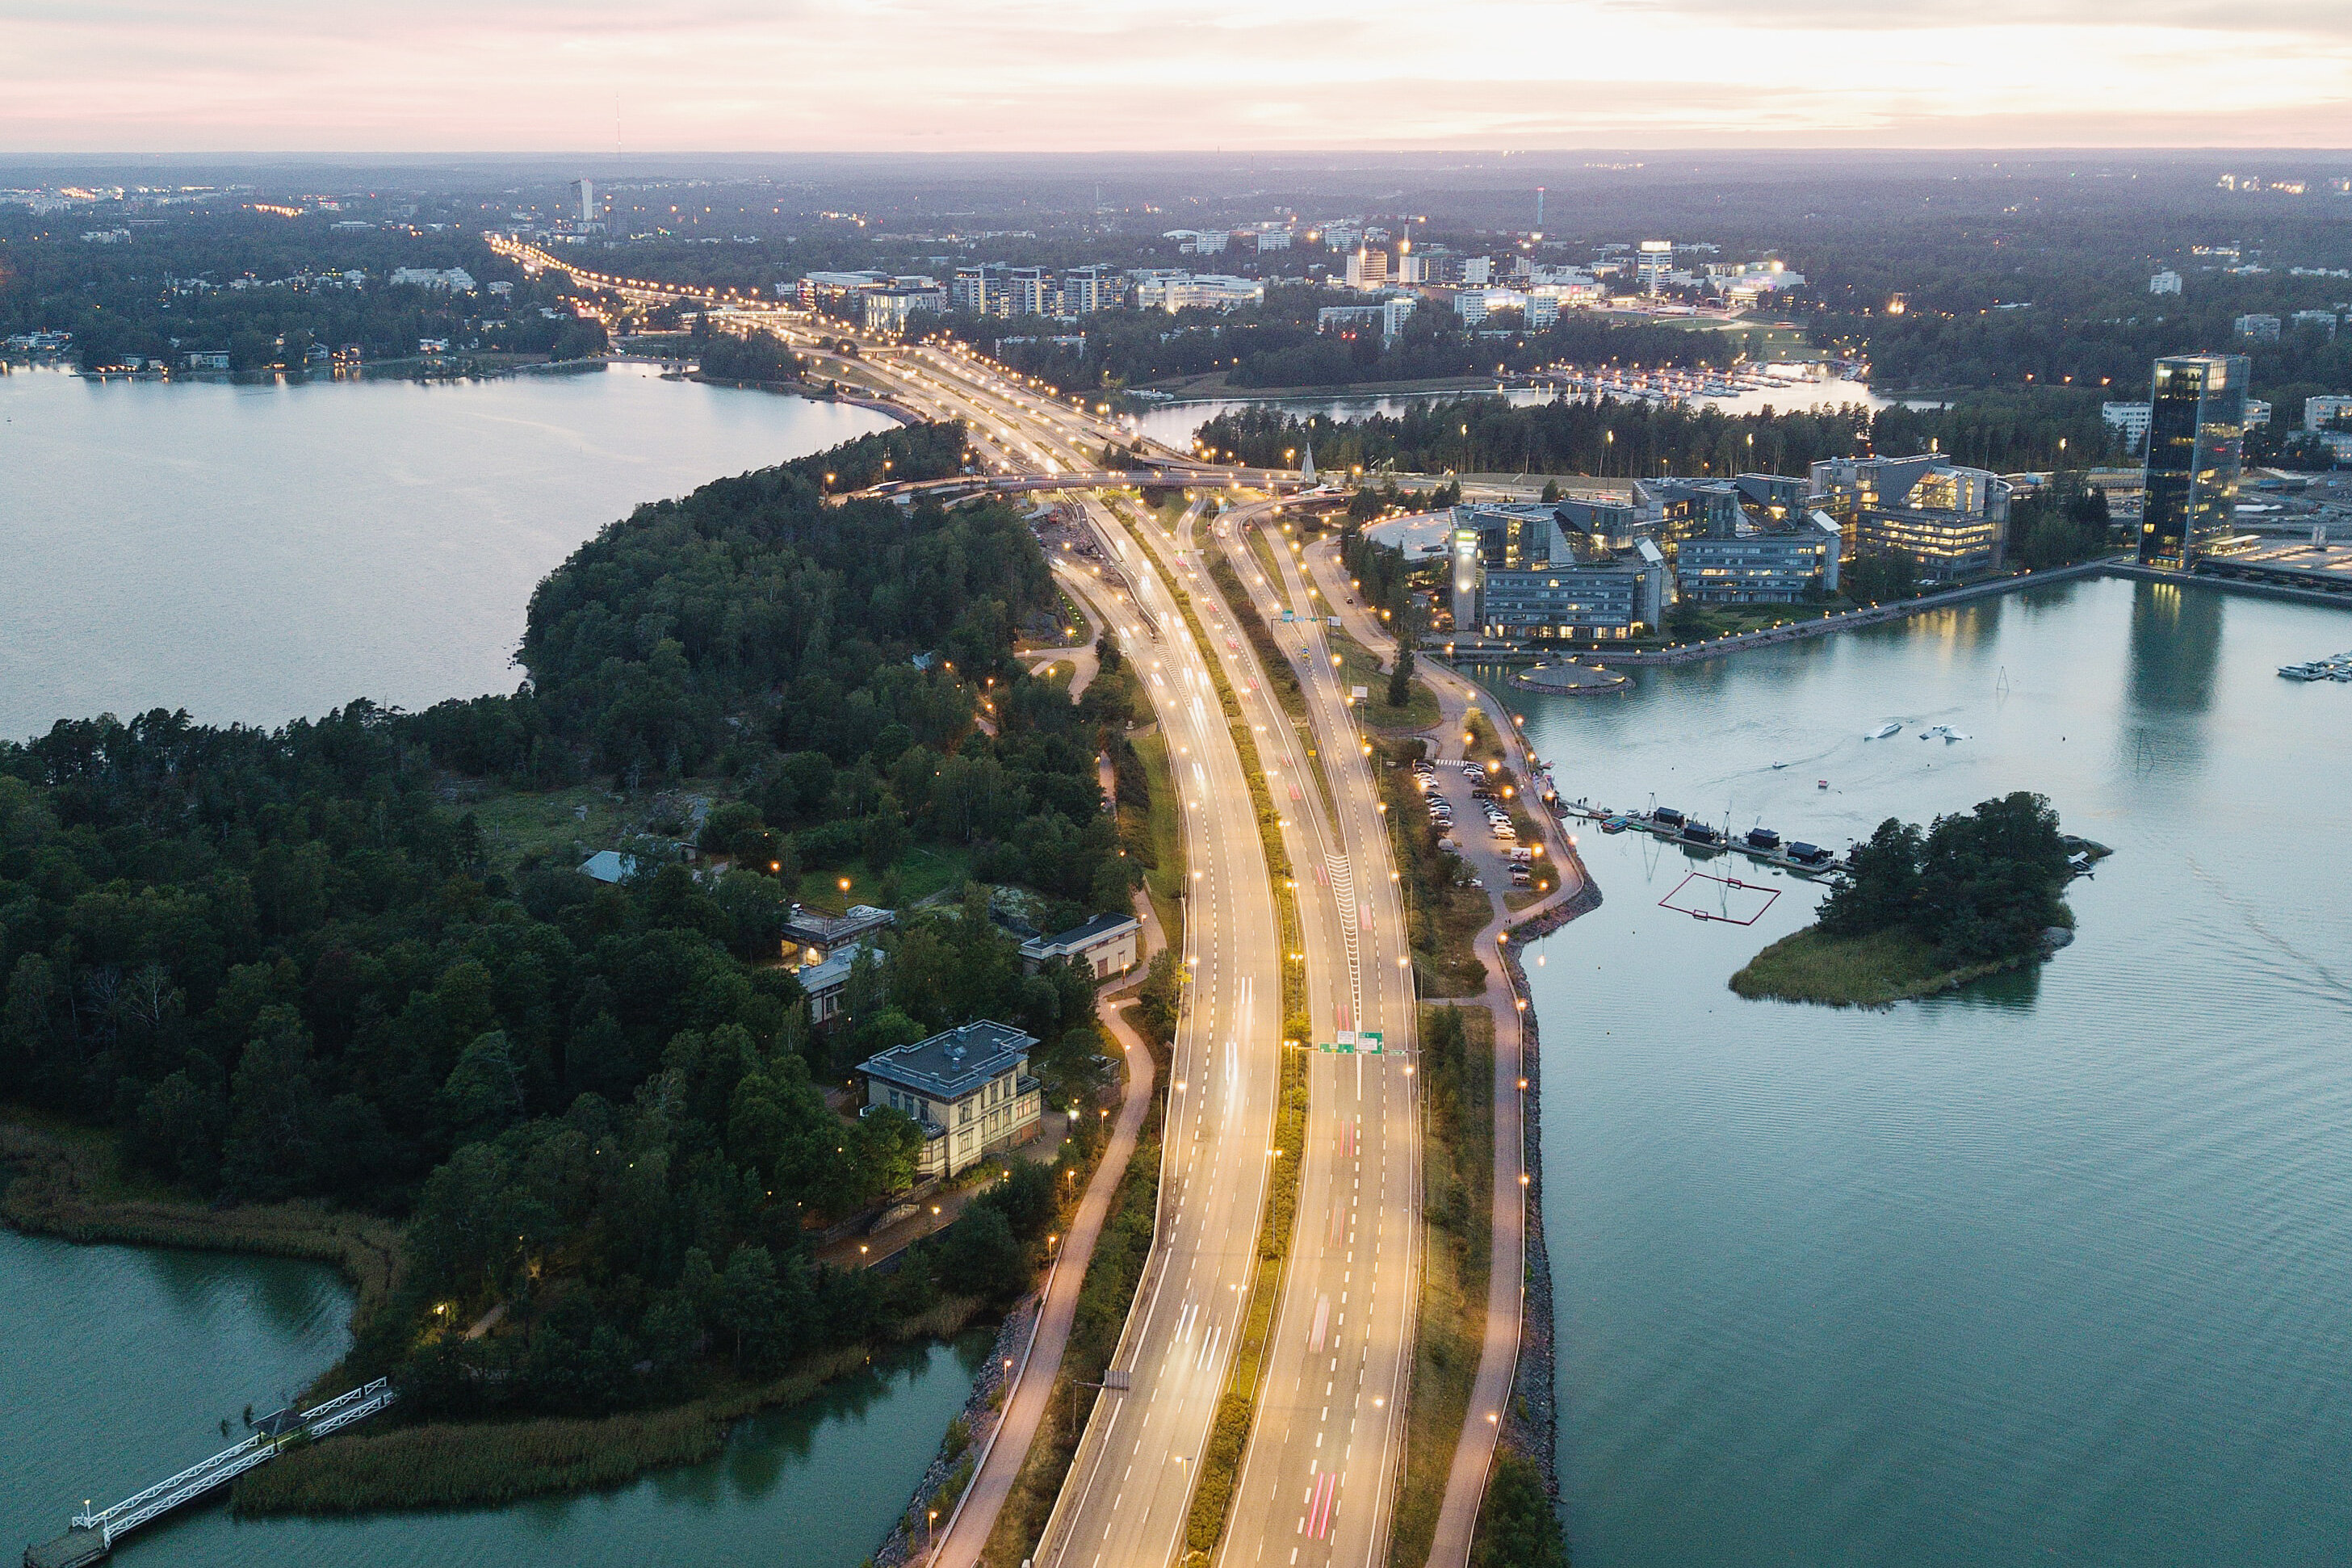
[
  {"x": 1944, "y": 732},
  {"x": 1889, "y": 728}
]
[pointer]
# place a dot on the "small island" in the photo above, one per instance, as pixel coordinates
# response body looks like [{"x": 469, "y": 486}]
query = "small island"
[{"x": 1916, "y": 911}]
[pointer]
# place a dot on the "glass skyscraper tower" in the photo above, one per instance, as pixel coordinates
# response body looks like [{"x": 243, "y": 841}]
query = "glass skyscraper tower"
[{"x": 2196, "y": 430}]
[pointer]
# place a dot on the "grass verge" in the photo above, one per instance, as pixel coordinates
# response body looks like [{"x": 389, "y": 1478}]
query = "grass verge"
[
  {"x": 1262, "y": 548},
  {"x": 1457, "y": 1244},
  {"x": 1279, "y": 672},
  {"x": 1104, "y": 1302},
  {"x": 1360, "y": 669},
  {"x": 1156, "y": 835},
  {"x": 1874, "y": 971}
]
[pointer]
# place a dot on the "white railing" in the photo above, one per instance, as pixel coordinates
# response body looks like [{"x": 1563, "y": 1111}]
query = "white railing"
[{"x": 230, "y": 1463}]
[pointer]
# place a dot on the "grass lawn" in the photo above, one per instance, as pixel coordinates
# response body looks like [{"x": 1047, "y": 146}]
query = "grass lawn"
[
  {"x": 517, "y": 823},
  {"x": 1360, "y": 669},
  {"x": 925, "y": 870},
  {"x": 1872, "y": 971}
]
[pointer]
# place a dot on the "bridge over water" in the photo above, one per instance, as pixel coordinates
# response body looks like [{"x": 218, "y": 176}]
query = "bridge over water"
[{"x": 92, "y": 1535}]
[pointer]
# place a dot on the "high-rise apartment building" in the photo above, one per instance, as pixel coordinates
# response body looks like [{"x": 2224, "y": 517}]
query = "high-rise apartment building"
[
  {"x": 2195, "y": 432},
  {"x": 1029, "y": 292},
  {"x": 979, "y": 290},
  {"x": 1085, "y": 290}
]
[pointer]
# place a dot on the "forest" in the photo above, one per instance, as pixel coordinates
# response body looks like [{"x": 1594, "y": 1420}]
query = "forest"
[
  {"x": 282, "y": 964},
  {"x": 266, "y": 290},
  {"x": 1612, "y": 437}
]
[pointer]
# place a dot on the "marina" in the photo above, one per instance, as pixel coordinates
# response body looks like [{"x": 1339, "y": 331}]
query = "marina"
[
  {"x": 2337, "y": 666},
  {"x": 1761, "y": 844}
]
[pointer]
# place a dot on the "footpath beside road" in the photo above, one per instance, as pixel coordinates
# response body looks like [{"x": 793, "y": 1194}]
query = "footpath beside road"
[
  {"x": 1507, "y": 1270},
  {"x": 1032, "y": 1384}
]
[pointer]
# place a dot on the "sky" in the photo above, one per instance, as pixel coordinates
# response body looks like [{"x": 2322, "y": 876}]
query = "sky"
[{"x": 195, "y": 76}]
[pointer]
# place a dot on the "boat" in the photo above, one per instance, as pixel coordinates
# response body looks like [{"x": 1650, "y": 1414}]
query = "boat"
[
  {"x": 1777, "y": 766},
  {"x": 1944, "y": 732},
  {"x": 1820, "y": 783},
  {"x": 1805, "y": 854},
  {"x": 1666, "y": 817},
  {"x": 1889, "y": 728},
  {"x": 1763, "y": 838}
]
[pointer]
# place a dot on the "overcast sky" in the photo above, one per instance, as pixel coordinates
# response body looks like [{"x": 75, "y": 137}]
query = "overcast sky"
[{"x": 1086, "y": 75}]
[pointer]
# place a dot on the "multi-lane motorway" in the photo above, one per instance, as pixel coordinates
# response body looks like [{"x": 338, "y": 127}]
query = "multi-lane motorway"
[
  {"x": 1320, "y": 1478},
  {"x": 1319, "y": 1474}
]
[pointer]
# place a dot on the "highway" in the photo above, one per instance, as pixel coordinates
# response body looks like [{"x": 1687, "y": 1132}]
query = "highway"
[
  {"x": 1318, "y": 1477},
  {"x": 1318, "y": 1480},
  {"x": 1130, "y": 1488}
]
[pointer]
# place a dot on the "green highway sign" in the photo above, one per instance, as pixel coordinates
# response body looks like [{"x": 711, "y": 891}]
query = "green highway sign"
[{"x": 1369, "y": 1042}]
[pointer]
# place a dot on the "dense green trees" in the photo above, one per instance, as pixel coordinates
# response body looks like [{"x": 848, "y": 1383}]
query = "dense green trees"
[
  {"x": 266, "y": 289},
  {"x": 1975, "y": 887},
  {"x": 752, "y": 357},
  {"x": 284, "y": 968},
  {"x": 2003, "y": 431}
]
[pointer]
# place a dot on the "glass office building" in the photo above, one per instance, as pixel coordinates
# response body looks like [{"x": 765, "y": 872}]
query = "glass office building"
[{"x": 2196, "y": 431}]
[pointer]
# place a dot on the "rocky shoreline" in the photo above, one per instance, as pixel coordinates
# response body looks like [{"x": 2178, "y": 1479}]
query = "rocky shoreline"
[
  {"x": 980, "y": 1416},
  {"x": 1532, "y": 1423}
]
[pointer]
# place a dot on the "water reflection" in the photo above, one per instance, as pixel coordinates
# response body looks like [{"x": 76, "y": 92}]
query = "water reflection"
[{"x": 2050, "y": 1267}]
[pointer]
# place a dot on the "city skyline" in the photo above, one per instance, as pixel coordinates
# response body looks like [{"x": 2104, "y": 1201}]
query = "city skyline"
[{"x": 720, "y": 76}]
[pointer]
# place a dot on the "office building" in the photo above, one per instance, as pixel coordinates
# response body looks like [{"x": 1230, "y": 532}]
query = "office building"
[
  {"x": 2258, "y": 329},
  {"x": 893, "y": 309},
  {"x": 1475, "y": 305},
  {"x": 1196, "y": 291},
  {"x": 587, "y": 189},
  {"x": 2196, "y": 436},
  {"x": 969, "y": 1089},
  {"x": 2321, "y": 321},
  {"x": 2128, "y": 418},
  {"x": 1520, "y": 575},
  {"x": 1752, "y": 565},
  {"x": 1368, "y": 269},
  {"x": 1654, "y": 261},
  {"x": 1951, "y": 520},
  {"x": 1477, "y": 272},
  {"x": 2166, "y": 283},
  {"x": 1604, "y": 599}
]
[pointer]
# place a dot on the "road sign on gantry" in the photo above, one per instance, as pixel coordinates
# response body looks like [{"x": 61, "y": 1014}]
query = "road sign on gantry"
[{"x": 1369, "y": 1042}]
